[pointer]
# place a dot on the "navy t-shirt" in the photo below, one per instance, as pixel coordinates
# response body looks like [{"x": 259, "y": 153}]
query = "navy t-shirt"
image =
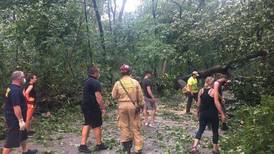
[
  {"x": 90, "y": 103},
  {"x": 13, "y": 97},
  {"x": 146, "y": 83}
]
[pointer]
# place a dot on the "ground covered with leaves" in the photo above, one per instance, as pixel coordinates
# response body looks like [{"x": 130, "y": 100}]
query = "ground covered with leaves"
[{"x": 61, "y": 133}]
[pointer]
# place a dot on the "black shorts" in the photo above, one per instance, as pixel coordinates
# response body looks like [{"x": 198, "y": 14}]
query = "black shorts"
[
  {"x": 14, "y": 137},
  {"x": 93, "y": 118}
]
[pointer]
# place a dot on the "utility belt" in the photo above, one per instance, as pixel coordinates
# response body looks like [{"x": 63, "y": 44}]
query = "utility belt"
[{"x": 124, "y": 101}]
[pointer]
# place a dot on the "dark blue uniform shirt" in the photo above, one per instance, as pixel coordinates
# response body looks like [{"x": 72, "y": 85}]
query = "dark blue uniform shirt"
[{"x": 13, "y": 97}]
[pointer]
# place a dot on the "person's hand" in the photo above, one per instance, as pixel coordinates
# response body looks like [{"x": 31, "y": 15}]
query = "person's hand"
[
  {"x": 197, "y": 115},
  {"x": 223, "y": 118},
  {"x": 223, "y": 100},
  {"x": 103, "y": 112},
  {"x": 154, "y": 100},
  {"x": 31, "y": 99},
  {"x": 22, "y": 124}
]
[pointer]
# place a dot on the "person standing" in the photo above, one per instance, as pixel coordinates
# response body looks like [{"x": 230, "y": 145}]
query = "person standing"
[
  {"x": 192, "y": 90},
  {"x": 30, "y": 95},
  {"x": 207, "y": 112},
  {"x": 128, "y": 93},
  {"x": 93, "y": 109},
  {"x": 15, "y": 111},
  {"x": 150, "y": 101},
  {"x": 219, "y": 84}
]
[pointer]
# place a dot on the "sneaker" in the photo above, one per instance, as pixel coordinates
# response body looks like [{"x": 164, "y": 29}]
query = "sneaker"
[
  {"x": 84, "y": 149},
  {"x": 31, "y": 133},
  {"x": 30, "y": 151},
  {"x": 215, "y": 152},
  {"x": 194, "y": 150},
  {"x": 138, "y": 152},
  {"x": 152, "y": 125},
  {"x": 100, "y": 147}
]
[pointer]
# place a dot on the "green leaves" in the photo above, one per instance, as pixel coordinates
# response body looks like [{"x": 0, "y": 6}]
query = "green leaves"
[{"x": 257, "y": 129}]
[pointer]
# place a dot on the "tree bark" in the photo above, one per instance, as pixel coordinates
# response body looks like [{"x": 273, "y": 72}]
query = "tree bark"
[
  {"x": 234, "y": 64},
  {"x": 179, "y": 6},
  {"x": 109, "y": 15},
  {"x": 122, "y": 11},
  {"x": 113, "y": 10},
  {"x": 99, "y": 22},
  {"x": 164, "y": 66},
  {"x": 201, "y": 5},
  {"x": 89, "y": 53}
]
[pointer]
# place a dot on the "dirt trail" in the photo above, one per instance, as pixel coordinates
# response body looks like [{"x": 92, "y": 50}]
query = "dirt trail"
[{"x": 173, "y": 134}]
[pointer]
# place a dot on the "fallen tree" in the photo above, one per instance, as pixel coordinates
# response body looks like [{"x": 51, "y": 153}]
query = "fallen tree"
[{"x": 224, "y": 69}]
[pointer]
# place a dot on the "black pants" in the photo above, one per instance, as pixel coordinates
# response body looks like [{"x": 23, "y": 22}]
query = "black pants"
[
  {"x": 190, "y": 98},
  {"x": 206, "y": 118}
]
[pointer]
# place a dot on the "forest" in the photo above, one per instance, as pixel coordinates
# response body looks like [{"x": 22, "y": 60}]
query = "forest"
[{"x": 59, "y": 39}]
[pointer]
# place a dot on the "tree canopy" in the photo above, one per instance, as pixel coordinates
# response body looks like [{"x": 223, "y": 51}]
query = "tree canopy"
[{"x": 58, "y": 40}]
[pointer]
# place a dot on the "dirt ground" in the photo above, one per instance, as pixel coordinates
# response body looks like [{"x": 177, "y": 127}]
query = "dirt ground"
[{"x": 173, "y": 134}]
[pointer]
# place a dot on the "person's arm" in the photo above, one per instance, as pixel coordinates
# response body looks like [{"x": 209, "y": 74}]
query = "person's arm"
[
  {"x": 27, "y": 92},
  {"x": 18, "y": 112},
  {"x": 114, "y": 92},
  {"x": 100, "y": 100},
  {"x": 199, "y": 102},
  {"x": 99, "y": 97},
  {"x": 15, "y": 99},
  {"x": 149, "y": 91},
  {"x": 140, "y": 96},
  {"x": 217, "y": 101}
]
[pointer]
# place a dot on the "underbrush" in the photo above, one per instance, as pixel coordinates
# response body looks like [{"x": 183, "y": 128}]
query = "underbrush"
[
  {"x": 2, "y": 127},
  {"x": 252, "y": 129},
  {"x": 59, "y": 122}
]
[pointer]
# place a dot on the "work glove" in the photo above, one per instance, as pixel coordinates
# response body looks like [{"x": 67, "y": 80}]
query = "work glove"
[{"x": 22, "y": 124}]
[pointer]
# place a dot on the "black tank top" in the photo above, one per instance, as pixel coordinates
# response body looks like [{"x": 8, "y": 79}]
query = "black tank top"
[{"x": 207, "y": 103}]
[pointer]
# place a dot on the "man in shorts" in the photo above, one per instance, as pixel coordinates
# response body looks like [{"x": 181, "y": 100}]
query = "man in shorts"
[
  {"x": 93, "y": 108},
  {"x": 15, "y": 111},
  {"x": 192, "y": 90},
  {"x": 150, "y": 101}
]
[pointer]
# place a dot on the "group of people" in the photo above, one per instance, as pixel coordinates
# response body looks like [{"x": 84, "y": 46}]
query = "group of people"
[
  {"x": 132, "y": 98},
  {"x": 130, "y": 95},
  {"x": 18, "y": 111},
  {"x": 210, "y": 104}
]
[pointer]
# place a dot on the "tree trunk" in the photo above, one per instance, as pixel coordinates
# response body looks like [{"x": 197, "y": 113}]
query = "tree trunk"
[
  {"x": 227, "y": 66},
  {"x": 101, "y": 31},
  {"x": 89, "y": 53},
  {"x": 113, "y": 10},
  {"x": 109, "y": 16},
  {"x": 201, "y": 5},
  {"x": 180, "y": 8},
  {"x": 164, "y": 66},
  {"x": 122, "y": 11}
]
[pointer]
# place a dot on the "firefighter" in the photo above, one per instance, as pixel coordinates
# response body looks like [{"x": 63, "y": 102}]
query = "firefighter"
[{"x": 128, "y": 93}]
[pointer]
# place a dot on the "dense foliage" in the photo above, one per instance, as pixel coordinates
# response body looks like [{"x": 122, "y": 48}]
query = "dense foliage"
[
  {"x": 57, "y": 40},
  {"x": 255, "y": 129}
]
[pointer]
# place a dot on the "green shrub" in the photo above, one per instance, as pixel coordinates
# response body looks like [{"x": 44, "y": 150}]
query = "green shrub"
[
  {"x": 247, "y": 91},
  {"x": 253, "y": 131}
]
